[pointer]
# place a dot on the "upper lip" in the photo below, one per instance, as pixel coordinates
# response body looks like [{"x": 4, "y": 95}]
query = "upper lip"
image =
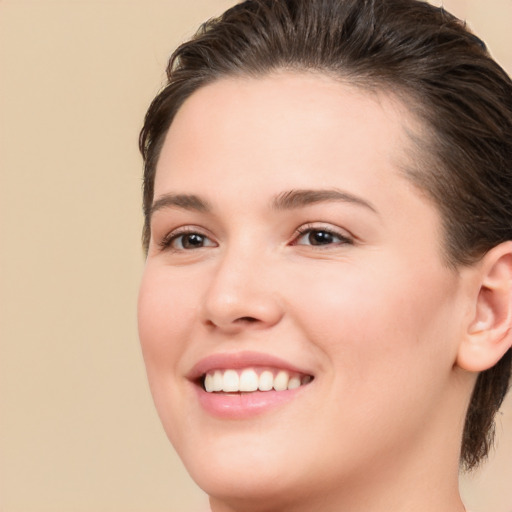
[{"x": 238, "y": 360}]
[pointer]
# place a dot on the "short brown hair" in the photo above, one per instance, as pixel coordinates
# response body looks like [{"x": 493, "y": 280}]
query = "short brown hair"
[{"x": 424, "y": 55}]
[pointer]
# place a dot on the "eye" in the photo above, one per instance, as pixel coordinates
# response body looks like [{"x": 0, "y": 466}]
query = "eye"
[
  {"x": 320, "y": 237},
  {"x": 186, "y": 240}
]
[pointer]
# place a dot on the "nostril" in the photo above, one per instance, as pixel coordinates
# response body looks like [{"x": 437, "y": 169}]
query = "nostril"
[
  {"x": 246, "y": 319},
  {"x": 243, "y": 320}
]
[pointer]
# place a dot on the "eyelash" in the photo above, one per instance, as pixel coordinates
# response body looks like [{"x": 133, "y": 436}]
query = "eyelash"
[
  {"x": 169, "y": 239},
  {"x": 308, "y": 228}
]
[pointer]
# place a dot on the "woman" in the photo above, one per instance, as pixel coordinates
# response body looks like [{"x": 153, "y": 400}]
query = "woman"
[{"x": 326, "y": 308}]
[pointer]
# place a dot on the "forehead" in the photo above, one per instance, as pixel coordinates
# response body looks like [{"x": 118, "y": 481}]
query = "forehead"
[{"x": 287, "y": 125}]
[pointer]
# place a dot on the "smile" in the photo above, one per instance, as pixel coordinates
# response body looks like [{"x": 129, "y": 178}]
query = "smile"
[
  {"x": 245, "y": 384},
  {"x": 250, "y": 380}
]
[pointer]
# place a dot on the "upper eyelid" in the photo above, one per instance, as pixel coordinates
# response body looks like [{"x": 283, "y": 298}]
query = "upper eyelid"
[
  {"x": 298, "y": 232},
  {"x": 336, "y": 242},
  {"x": 183, "y": 230},
  {"x": 344, "y": 239},
  {"x": 322, "y": 226}
]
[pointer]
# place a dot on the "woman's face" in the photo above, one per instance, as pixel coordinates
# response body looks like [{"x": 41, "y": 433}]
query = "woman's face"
[{"x": 286, "y": 246}]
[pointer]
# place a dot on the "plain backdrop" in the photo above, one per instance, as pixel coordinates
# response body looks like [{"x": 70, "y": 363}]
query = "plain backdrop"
[{"x": 78, "y": 430}]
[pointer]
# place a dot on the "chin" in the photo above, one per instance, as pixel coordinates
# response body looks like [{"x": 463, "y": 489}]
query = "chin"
[
  {"x": 257, "y": 488},
  {"x": 235, "y": 469}
]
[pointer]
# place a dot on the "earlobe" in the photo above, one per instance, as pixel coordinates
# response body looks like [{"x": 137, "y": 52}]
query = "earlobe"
[{"x": 489, "y": 333}]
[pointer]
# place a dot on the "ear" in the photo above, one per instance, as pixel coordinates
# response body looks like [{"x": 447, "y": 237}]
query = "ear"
[{"x": 489, "y": 333}]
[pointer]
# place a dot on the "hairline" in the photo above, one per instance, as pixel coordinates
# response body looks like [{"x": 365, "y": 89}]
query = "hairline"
[{"x": 415, "y": 130}]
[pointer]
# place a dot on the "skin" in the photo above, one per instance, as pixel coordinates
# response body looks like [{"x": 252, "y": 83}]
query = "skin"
[{"x": 375, "y": 315}]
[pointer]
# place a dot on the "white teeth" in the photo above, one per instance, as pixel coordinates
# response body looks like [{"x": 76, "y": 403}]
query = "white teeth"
[
  {"x": 248, "y": 380},
  {"x": 230, "y": 381},
  {"x": 266, "y": 381},
  {"x": 281, "y": 381},
  {"x": 217, "y": 381},
  {"x": 208, "y": 382},
  {"x": 293, "y": 383}
]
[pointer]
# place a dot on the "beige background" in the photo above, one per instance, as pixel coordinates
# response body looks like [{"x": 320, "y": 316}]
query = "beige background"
[{"x": 78, "y": 431}]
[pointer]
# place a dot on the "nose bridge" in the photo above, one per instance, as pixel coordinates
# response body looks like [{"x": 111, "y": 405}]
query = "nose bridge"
[{"x": 241, "y": 291}]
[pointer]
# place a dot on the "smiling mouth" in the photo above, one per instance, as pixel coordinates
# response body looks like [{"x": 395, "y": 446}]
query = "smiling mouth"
[{"x": 250, "y": 380}]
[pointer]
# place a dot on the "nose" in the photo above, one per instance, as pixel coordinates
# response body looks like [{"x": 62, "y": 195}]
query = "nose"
[{"x": 243, "y": 294}]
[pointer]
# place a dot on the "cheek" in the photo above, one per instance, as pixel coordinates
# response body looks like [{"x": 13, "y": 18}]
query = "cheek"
[
  {"x": 375, "y": 323},
  {"x": 387, "y": 348},
  {"x": 165, "y": 317}
]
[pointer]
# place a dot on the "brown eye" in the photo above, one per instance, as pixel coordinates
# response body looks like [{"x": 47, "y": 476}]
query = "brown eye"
[
  {"x": 191, "y": 241},
  {"x": 318, "y": 237},
  {"x": 187, "y": 241}
]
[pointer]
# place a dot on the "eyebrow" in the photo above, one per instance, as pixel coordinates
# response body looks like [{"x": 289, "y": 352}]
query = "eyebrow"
[
  {"x": 288, "y": 200},
  {"x": 299, "y": 198},
  {"x": 184, "y": 201}
]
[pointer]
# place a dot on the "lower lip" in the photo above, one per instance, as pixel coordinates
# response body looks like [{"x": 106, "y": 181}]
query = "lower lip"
[{"x": 244, "y": 405}]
